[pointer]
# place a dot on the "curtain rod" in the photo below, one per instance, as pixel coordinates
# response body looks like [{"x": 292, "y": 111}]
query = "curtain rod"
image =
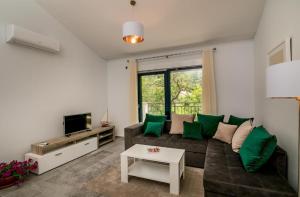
[{"x": 172, "y": 55}]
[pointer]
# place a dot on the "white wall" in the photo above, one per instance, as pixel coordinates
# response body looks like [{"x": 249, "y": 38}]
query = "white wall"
[
  {"x": 280, "y": 116},
  {"x": 37, "y": 88},
  {"x": 234, "y": 71},
  {"x": 172, "y": 62},
  {"x": 117, "y": 93},
  {"x": 234, "y": 67}
]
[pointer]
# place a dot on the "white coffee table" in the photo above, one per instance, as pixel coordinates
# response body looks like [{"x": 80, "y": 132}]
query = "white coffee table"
[{"x": 169, "y": 169}]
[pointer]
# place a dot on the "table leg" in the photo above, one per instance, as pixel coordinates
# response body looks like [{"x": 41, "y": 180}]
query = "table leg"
[
  {"x": 174, "y": 178},
  {"x": 124, "y": 169},
  {"x": 183, "y": 166}
]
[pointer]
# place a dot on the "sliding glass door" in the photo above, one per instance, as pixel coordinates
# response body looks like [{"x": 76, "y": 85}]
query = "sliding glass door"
[
  {"x": 152, "y": 92},
  {"x": 172, "y": 90}
]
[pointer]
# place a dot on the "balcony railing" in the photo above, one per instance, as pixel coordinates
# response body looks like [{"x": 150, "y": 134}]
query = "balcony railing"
[{"x": 178, "y": 108}]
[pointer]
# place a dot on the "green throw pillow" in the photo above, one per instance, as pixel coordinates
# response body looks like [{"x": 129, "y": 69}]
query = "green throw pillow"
[
  {"x": 192, "y": 130},
  {"x": 210, "y": 124},
  {"x": 153, "y": 118},
  {"x": 233, "y": 120},
  {"x": 257, "y": 149},
  {"x": 154, "y": 128}
]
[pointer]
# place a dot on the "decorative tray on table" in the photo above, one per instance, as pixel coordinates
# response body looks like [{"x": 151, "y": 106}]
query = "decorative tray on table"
[{"x": 153, "y": 149}]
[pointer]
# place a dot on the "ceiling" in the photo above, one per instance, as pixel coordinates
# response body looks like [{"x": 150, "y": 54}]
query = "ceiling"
[{"x": 168, "y": 24}]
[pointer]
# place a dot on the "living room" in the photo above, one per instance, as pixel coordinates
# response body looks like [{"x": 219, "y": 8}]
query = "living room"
[{"x": 85, "y": 82}]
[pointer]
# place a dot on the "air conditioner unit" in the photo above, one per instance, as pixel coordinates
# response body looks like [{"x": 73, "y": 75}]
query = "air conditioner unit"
[{"x": 26, "y": 37}]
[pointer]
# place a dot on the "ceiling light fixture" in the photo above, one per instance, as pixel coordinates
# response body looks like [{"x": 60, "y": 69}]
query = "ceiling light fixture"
[{"x": 133, "y": 31}]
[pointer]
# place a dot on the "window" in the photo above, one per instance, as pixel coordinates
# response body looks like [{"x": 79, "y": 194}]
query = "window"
[
  {"x": 153, "y": 94},
  {"x": 173, "y": 90}
]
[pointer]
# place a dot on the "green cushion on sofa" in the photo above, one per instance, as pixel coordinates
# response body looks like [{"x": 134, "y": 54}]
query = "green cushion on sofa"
[
  {"x": 210, "y": 124},
  {"x": 154, "y": 128},
  {"x": 192, "y": 130},
  {"x": 233, "y": 120},
  {"x": 257, "y": 149},
  {"x": 153, "y": 118}
]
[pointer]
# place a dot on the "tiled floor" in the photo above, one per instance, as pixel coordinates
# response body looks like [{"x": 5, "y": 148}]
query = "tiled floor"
[{"x": 68, "y": 180}]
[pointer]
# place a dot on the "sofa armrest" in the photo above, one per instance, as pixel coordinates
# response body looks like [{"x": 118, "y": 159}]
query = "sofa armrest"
[{"x": 130, "y": 132}]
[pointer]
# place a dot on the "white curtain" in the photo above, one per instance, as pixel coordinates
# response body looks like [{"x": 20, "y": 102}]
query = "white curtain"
[
  {"x": 209, "y": 98},
  {"x": 133, "y": 96}
]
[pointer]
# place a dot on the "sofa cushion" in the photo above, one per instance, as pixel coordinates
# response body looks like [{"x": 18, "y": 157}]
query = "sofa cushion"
[
  {"x": 151, "y": 140},
  {"x": 192, "y": 130},
  {"x": 240, "y": 135},
  {"x": 154, "y": 128},
  {"x": 190, "y": 145},
  {"x": 210, "y": 124},
  {"x": 194, "y": 159},
  {"x": 153, "y": 118},
  {"x": 172, "y": 141},
  {"x": 257, "y": 149},
  {"x": 225, "y": 132},
  {"x": 224, "y": 174},
  {"x": 177, "y": 122},
  {"x": 238, "y": 121}
]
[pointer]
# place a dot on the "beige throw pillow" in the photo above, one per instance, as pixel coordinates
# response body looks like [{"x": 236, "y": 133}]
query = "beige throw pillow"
[
  {"x": 177, "y": 122},
  {"x": 240, "y": 135},
  {"x": 225, "y": 132}
]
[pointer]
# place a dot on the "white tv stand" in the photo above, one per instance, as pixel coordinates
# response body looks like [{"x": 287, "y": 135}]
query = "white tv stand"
[
  {"x": 63, "y": 155},
  {"x": 55, "y": 152}
]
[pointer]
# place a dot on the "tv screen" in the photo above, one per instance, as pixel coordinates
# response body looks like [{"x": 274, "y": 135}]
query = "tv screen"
[{"x": 76, "y": 123}]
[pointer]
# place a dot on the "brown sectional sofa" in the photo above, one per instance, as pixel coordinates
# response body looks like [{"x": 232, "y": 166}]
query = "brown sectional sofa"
[
  {"x": 224, "y": 174},
  {"x": 195, "y": 150}
]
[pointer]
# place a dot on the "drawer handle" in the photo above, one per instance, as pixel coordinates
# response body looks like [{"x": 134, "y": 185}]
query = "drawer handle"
[
  {"x": 57, "y": 154},
  {"x": 86, "y": 144}
]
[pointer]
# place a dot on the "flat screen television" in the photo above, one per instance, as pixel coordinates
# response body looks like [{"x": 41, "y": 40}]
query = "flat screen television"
[{"x": 77, "y": 123}]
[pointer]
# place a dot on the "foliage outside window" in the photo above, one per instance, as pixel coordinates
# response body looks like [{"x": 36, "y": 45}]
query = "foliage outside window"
[
  {"x": 153, "y": 94},
  {"x": 186, "y": 91}
]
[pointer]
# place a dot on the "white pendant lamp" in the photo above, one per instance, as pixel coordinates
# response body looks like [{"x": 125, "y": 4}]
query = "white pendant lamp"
[{"x": 133, "y": 31}]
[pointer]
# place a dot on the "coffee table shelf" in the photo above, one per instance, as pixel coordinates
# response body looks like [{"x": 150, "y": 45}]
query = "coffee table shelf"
[{"x": 150, "y": 170}]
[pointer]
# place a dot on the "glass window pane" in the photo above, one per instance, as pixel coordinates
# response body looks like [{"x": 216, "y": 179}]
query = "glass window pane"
[
  {"x": 153, "y": 94},
  {"x": 186, "y": 91}
]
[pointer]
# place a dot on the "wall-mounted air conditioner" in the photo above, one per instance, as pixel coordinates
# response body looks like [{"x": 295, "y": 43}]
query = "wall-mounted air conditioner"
[{"x": 19, "y": 35}]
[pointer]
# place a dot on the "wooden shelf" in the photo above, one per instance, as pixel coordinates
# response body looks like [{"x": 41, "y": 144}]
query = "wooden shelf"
[
  {"x": 105, "y": 135},
  {"x": 105, "y": 142},
  {"x": 60, "y": 142}
]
